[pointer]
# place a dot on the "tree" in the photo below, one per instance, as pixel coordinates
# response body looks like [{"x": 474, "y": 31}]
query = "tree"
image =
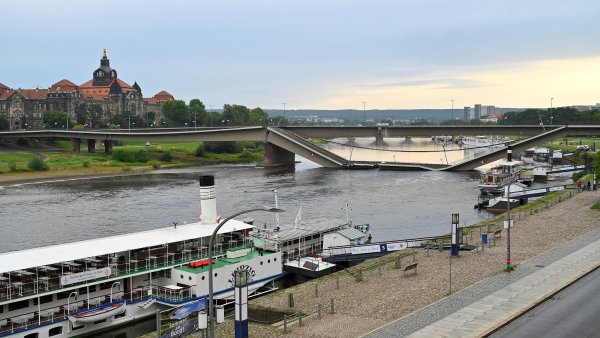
[
  {"x": 55, "y": 119},
  {"x": 237, "y": 115},
  {"x": 258, "y": 117},
  {"x": 176, "y": 113},
  {"x": 198, "y": 112}
]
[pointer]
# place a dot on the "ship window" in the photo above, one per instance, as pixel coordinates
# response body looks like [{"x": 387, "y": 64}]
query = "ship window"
[
  {"x": 261, "y": 263},
  {"x": 43, "y": 300},
  {"x": 121, "y": 315},
  {"x": 77, "y": 327},
  {"x": 181, "y": 276},
  {"x": 55, "y": 331},
  {"x": 2, "y": 306},
  {"x": 215, "y": 274},
  {"x": 203, "y": 277},
  {"x": 274, "y": 259},
  {"x": 31, "y": 335},
  {"x": 18, "y": 305},
  {"x": 99, "y": 321},
  {"x": 190, "y": 277},
  {"x": 269, "y": 261}
]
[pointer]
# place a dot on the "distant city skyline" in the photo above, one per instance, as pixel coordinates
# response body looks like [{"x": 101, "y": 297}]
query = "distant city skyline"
[{"x": 314, "y": 54}]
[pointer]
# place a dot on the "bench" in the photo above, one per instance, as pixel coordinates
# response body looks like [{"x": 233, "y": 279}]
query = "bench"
[
  {"x": 498, "y": 233},
  {"x": 410, "y": 267}
]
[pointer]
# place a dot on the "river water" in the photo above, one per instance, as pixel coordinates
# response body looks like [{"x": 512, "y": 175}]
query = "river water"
[{"x": 398, "y": 204}]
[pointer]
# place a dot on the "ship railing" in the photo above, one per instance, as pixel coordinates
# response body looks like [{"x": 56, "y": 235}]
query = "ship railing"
[
  {"x": 42, "y": 283},
  {"x": 46, "y": 315}
]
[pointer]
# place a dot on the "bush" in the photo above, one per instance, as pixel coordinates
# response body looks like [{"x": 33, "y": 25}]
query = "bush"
[
  {"x": 246, "y": 156},
  {"x": 12, "y": 166},
  {"x": 22, "y": 141},
  {"x": 130, "y": 156},
  {"x": 165, "y": 156},
  {"x": 155, "y": 164},
  {"x": 86, "y": 163},
  {"x": 223, "y": 147},
  {"x": 200, "y": 151},
  {"x": 37, "y": 164}
]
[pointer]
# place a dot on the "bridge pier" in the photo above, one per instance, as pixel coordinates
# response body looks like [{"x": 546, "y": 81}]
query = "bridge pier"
[
  {"x": 108, "y": 144},
  {"x": 91, "y": 143},
  {"x": 76, "y": 145},
  {"x": 277, "y": 156},
  {"x": 379, "y": 137}
]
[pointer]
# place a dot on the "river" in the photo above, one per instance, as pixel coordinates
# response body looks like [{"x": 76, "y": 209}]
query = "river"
[{"x": 398, "y": 204}]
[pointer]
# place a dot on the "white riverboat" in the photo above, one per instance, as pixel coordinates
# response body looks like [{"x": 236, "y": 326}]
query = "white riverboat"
[
  {"x": 74, "y": 289},
  {"x": 499, "y": 175}
]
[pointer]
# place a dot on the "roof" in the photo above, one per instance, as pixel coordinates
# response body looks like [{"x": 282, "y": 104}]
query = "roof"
[
  {"x": 63, "y": 86},
  {"x": 19, "y": 260},
  {"x": 2, "y": 86},
  {"x": 161, "y": 96},
  {"x": 351, "y": 233},
  {"x": 315, "y": 227}
]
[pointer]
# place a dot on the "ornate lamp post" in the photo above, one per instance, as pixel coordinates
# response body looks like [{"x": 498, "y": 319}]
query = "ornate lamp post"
[{"x": 211, "y": 313}]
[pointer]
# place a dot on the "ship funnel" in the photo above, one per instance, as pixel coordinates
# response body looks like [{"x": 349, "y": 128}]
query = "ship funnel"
[
  {"x": 208, "y": 200},
  {"x": 509, "y": 154}
]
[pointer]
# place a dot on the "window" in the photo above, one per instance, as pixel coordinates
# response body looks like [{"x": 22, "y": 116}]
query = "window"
[
  {"x": 55, "y": 331},
  {"x": 18, "y": 305},
  {"x": 43, "y": 300},
  {"x": 32, "y": 335},
  {"x": 99, "y": 321}
]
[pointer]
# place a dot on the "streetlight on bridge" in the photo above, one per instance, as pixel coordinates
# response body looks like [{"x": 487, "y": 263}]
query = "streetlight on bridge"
[{"x": 365, "y": 112}]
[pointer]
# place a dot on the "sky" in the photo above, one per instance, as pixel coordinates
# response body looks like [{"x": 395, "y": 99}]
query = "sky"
[{"x": 315, "y": 54}]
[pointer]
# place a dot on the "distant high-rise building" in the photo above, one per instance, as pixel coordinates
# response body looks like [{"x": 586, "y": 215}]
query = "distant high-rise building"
[
  {"x": 477, "y": 111},
  {"x": 467, "y": 114}
]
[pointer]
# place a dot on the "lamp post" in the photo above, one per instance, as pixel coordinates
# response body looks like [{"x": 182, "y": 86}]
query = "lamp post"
[
  {"x": 365, "y": 112},
  {"x": 210, "y": 105},
  {"x": 283, "y": 114},
  {"x": 452, "y": 109},
  {"x": 551, "y": 117},
  {"x": 195, "y": 117},
  {"x": 508, "y": 223},
  {"x": 211, "y": 313},
  {"x": 185, "y": 125},
  {"x": 111, "y": 290},
  {"x": 453, "y": 246},
  {"x": 129, "y": 123}
]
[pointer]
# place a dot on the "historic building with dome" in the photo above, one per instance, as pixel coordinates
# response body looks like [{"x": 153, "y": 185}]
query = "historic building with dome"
[{"x": 24, "y": 108}]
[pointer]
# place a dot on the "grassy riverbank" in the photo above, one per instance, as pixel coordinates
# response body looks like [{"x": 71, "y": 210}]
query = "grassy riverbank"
[{"x": 130, "y": 157}]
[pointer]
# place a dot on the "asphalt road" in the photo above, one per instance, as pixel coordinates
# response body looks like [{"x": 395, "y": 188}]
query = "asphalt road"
[{"x": 573, "y": 312}]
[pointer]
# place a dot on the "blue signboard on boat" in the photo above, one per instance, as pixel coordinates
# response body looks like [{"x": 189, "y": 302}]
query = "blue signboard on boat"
[
  {"x": 188, "y": 309},
  {"x": 182, "y": 321}
]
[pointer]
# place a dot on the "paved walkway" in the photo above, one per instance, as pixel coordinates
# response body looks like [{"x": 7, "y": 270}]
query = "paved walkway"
[{"x": 523, "y": 290}]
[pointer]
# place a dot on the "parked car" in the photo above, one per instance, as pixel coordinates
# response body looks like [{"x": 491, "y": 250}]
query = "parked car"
[{"x": 583, "y": 147}]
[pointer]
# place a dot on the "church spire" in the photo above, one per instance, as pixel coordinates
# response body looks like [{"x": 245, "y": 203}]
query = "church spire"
[
  {"x": 104, "y": 54},
  {"x": 104, "y": 61}
]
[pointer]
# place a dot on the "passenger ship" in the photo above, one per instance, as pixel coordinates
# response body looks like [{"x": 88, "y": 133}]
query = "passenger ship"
[{"x": 77, "y": 288}]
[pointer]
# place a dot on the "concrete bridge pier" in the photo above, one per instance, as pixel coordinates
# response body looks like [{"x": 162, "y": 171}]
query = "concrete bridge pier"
[
  {"x": 76, "y": 145},
  {"x": 108, "y": 145},
  {"x": 91, "y": 143},
  {"x": 379, "y": 137},
  {"x": 277, "y": 156}
]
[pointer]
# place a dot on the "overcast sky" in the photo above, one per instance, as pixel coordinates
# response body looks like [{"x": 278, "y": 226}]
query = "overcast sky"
[{"x": 322, "y": 54}]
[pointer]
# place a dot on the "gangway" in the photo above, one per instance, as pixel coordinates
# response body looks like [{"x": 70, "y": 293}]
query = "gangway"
[
  {"x": 566, "y": 169},
  {"x": 361, "y": 252},
  {"x": 539, "y": 191}
]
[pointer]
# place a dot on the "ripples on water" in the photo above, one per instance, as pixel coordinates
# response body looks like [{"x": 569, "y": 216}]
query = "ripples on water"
[{"x": 399, "y": 204}]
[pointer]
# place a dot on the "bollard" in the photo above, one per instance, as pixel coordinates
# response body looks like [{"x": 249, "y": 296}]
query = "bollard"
[
  {"x": 440, "y": 247},
  {"x": 427, "y": 250},
  {"x": 285, "y": 324},
  {"x": 299, "y": 318},
  {"x": 398, "y": 263},
  {"x": 414, "y": 258},
  {"x": 337, "y": 282},
  {"x": 332, "y": 306},
  {"x": 359, "y": 276},
  {"x": 379, "y": 270},
  {"x": 319, "y": 311},
  {"x": 316, "y": 290},
  {"x": 290, "y": 300}
]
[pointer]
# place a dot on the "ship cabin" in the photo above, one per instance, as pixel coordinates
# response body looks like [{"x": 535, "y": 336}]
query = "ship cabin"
[
  {"x": 44, "y": 285},
  {"x": 301, "y": 240}
]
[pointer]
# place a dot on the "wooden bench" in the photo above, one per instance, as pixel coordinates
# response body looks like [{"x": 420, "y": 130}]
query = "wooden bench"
[
  {"x": 410, "y": 267},
  {"x": 498, "y": 233}
]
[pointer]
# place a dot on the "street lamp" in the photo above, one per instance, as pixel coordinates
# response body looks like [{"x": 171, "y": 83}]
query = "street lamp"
[
  {"x": 195, "y": 117},
  {"x": 129, "y": 123},
  {"x": 211, "y": 313},
  {"x": 551, "y": 117},
  {"x": 365, "y": 112},
  {"x": 210, "y": 105},
  {"x": 111, "y": 290},
  {"x": 508, "y": 223},
  {"x": 185, "y": 125},
  {"x": 452, "y": 109}
]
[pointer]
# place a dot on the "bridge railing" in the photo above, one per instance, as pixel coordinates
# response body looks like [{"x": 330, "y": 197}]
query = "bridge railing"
[{"x": 310, "y": 145}]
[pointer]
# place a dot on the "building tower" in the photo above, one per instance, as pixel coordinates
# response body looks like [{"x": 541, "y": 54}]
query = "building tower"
[{"x": 104, "y": 75}]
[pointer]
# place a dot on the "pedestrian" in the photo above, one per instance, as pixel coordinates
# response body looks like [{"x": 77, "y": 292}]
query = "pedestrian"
[{"x": 588, "y": 185}]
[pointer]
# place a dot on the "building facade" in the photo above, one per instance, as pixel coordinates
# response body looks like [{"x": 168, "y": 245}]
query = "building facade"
[{"x": 24, "y": 108}]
